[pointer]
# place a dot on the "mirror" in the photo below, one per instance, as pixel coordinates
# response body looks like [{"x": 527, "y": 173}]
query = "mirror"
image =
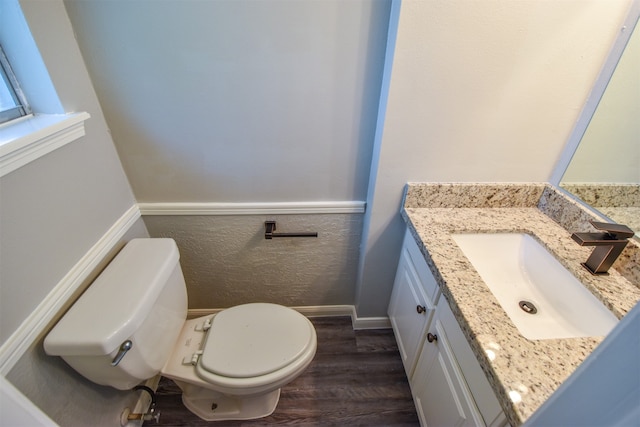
[{"x": 604, "y": 171}]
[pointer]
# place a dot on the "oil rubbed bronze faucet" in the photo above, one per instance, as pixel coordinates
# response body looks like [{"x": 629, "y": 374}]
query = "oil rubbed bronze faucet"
[{"x": 609, "y": 244}]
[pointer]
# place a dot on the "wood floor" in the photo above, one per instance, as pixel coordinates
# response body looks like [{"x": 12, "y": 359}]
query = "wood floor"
[{"x": 356, "y": 378}]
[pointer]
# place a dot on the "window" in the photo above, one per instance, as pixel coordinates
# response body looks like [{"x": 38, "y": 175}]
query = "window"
[{"x": 12, "y": 101}]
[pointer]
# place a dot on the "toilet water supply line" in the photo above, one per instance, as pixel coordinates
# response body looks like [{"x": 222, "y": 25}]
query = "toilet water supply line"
[{"x": 150, "y": 415}]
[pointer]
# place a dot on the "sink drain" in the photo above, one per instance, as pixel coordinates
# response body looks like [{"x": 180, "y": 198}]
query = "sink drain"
[{"x": 528, "y": 307}]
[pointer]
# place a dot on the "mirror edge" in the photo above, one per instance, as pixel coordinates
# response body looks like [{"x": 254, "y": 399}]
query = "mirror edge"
[{"x": 601, "y": 83}]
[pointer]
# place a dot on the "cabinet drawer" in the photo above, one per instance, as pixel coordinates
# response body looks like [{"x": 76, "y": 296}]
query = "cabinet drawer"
[
  {"x": 429, "y": 284},
  {"x": 410, "y": 311}
]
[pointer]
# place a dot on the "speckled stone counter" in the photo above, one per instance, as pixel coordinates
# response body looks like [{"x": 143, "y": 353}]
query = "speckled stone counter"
[
  {"x": 523, "y": 373},
  {"x": 618, "y": 201}
]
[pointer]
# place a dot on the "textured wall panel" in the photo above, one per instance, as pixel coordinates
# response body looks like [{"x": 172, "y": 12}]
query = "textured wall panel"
[{"x": 227, "y": 261}]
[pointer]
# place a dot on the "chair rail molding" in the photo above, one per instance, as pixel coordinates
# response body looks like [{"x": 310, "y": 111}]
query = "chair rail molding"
[
  {"x": 259, "y": 208},
  {"x": 31, "y": 328}
]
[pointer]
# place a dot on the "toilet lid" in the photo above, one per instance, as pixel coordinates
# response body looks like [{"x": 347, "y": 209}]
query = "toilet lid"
[{"x": 255, "y": 339}]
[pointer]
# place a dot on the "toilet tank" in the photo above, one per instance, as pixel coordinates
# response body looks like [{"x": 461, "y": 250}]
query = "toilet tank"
[{"x": 139, "y": 297}]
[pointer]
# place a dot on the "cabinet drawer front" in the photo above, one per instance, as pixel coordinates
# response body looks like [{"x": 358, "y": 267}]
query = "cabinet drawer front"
[
  {"x": 427, "y": 280},
  {"x": 409, "y": 322}
]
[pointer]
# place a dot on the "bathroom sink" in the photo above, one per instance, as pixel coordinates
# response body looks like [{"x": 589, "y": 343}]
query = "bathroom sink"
[{"x": 542, "y": 298}]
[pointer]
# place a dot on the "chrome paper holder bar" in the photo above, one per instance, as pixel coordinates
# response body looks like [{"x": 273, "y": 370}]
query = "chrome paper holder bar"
[{"x": 270, "y": 227}]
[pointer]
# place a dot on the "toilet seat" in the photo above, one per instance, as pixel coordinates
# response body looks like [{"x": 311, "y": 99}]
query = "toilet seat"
[
  {"x": 253, "y": 340},
  {"x": 193, "y": 339}
]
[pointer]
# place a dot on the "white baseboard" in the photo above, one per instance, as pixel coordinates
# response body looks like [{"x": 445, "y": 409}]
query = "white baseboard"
[
  {"x": 371, "y": 323},
  {"x": 320, "y": 311},
  {"x": 309, "y": 311},
  {"x": 18, "y": 343}
]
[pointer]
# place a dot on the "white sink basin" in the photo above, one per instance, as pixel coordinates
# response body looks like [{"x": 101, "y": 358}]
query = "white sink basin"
[{"x": 517, "y": 268}]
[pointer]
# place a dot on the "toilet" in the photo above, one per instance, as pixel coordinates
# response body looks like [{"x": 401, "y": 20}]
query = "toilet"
[{"x": 130, "y": 325}]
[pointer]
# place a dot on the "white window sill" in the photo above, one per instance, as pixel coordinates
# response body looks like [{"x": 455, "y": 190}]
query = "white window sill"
[{"x": 27, "y": 139}]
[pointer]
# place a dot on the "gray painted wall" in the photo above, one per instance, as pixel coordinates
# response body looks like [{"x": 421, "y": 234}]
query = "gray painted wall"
[
  {"x": 238, "y": 101},
  {"x": 52, "y": 211},
  {"x": 244, "y": 101},
  {"x": 55, "y": 209}
]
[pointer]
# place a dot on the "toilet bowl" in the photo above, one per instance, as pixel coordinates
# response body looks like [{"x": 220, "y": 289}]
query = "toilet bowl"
[
  {"x": 248, "y": 351},
  {"x": 130, "y": 326}
]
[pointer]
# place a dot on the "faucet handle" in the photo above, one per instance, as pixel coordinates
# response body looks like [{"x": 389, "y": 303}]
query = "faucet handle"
[{"x": 617, "y": 231}]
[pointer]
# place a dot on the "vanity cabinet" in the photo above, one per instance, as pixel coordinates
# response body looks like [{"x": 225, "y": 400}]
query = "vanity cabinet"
[
  {"x": 448, "y": 385},
  {"x": 415, "y": 293}
]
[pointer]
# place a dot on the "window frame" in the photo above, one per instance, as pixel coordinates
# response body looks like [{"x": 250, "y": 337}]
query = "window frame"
[{"x": 11, "y": 83}]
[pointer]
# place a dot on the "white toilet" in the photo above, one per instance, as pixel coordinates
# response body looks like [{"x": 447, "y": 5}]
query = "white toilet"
[{"x": 129, "y": 325}]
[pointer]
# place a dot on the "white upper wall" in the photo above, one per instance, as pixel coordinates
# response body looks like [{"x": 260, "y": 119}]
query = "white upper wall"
[
  {"x": 490, "y": 90},
  {"x": 238, "y": 101},
  {"x": 479, "y": 91}
]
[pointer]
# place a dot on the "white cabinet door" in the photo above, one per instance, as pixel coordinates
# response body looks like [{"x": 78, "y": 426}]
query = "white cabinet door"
[
  {"x": 448, "y": 385},
  {"x": 477, "y": 383},
  {"x": 440, "y": 392},
  {"x": 415, "y": 294},
  {"x": 409, "y": 312}
]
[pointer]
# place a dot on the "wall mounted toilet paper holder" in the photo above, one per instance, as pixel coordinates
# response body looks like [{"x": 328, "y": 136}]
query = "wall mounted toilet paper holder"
[{"x": 270, "y": 227}]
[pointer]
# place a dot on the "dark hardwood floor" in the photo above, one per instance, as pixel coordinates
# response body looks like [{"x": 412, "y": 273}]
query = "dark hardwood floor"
[{"x": 356, "y": 378}]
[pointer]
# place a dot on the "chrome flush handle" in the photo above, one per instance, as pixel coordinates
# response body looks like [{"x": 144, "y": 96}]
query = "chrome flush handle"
[{"x": 126, "y": 346}]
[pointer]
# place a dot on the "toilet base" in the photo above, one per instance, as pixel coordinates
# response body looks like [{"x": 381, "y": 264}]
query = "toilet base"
[{"x": 215, "y": 406}]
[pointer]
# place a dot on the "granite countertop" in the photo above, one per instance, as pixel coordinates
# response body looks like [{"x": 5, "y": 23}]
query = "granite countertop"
[
  {"x": 523, "y": 373},
  {"x": 618, "y": 201}
]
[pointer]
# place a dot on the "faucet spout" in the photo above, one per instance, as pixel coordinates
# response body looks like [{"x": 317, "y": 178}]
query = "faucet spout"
[{"x": 609, "y": 244}]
